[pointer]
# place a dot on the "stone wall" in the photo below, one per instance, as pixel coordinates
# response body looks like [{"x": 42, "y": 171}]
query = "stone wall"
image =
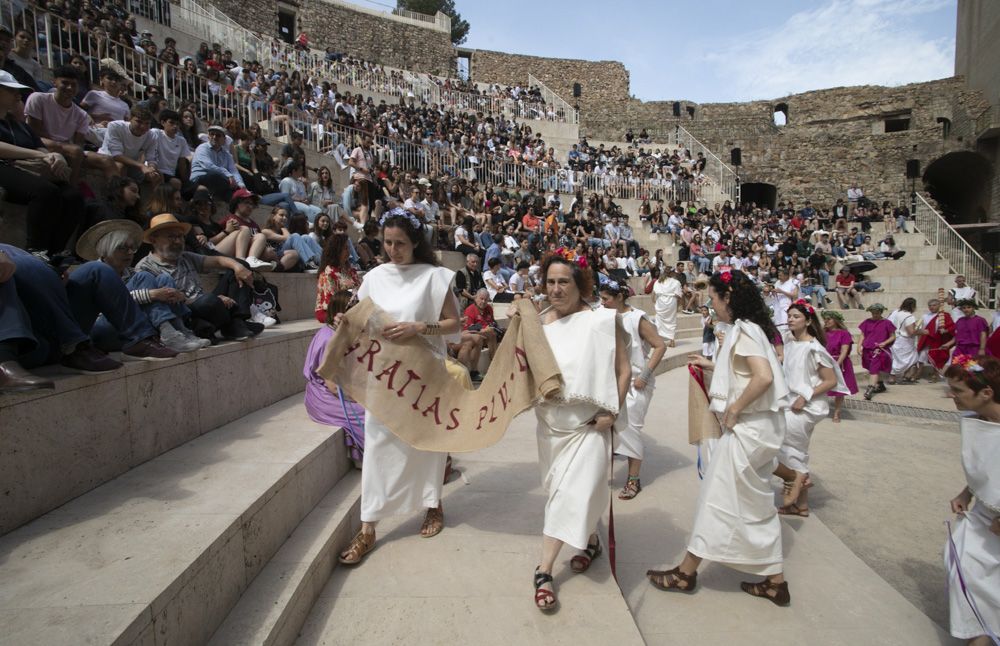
[
  {"x": 365, "y": 34},
  {"x": 604, "y": 84}
]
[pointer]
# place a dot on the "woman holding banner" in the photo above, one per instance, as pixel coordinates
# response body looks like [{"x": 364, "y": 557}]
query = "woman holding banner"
[
  {"x": 416, "y": 292},
  {"x": 574, "y": 428},
  {"x": 736, "y": 522}
]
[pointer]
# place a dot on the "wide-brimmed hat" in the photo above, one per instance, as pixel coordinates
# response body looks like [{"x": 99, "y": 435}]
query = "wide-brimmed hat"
[
  {"x": 161, "y": 222},
  {"x": 86, "y": 246}
]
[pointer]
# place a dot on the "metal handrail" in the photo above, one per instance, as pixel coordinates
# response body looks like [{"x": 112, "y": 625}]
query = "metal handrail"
[
  {"x": 961, "y": 256},
  {"x": 550, "y": 97},
  {"x": 724, "y": 176}
]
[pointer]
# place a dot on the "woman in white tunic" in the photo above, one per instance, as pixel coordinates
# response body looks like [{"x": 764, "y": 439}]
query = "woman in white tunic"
[
  {"x": 810, "y": 373},
  {"x": 416, "y": 293},
  {"x": 905, "y": 358},
  {"x": 736, "y": 522},
  {"x": 574, "y": 428},
  {"x": 646, "y": 349},
  {"x": 786, "y": 290},
  {"x": 667, "y": 292},
  {"x": 974, "y": 384}
]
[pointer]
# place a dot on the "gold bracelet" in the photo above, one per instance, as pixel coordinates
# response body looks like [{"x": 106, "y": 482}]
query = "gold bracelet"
[{"x": 432, "y": 329}]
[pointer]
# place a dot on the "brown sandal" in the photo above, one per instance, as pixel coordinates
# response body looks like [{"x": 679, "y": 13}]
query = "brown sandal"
[
  {"x": 781, "y": 597},
  {"x": 671, "y": 580},
  {"x": 794, "y": 510},
  {"x": 792, "y": 490},
  {"x": 631, "y": 489},
  {"x": 360, "y": 545},
  {"x": 433, "y": 522}
]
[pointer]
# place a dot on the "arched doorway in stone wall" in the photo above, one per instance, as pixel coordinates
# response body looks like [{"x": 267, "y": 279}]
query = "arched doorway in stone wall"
[
  {"x": 960, "y": 182},
  {"x": 760, "y": 193}
]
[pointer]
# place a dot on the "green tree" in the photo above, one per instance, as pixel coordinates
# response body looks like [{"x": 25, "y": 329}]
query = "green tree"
[{"x": 459, "y": 27}]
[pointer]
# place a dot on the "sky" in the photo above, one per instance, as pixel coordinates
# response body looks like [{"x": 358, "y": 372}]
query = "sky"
[{"x": 710, "y": 51}]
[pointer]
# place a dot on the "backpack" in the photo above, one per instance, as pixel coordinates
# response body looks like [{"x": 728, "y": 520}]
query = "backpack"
[{"x": 264, "y": 298}]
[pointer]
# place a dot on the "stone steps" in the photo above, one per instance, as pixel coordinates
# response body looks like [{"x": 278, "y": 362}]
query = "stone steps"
[
  {"x": 163, "y": 553},
  {"x": 62, "y": 443}
]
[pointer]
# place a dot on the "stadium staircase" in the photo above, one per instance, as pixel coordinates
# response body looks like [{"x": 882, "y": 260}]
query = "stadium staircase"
[{"x": 192, "y": 501}]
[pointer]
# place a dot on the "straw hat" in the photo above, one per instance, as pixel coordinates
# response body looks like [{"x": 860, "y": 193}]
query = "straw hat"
[
  {"x": 164, "y": 221},
  {"x": 86, "y": 246}
]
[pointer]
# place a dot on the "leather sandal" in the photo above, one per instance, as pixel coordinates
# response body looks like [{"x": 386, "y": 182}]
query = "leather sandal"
[
  {"x": 794, "y": 510},
  {"x": 792, "y": 490},
  {"x": 671, "y": 580},
  {"x": 765, "y": 588},
  {"x": 581, "y": 562},
  {"x": 360, "y": 545},
  {"x": 433, "y": 522},
  {"x": 545, "y": 600},
  {"x": 631, "y": 489}
]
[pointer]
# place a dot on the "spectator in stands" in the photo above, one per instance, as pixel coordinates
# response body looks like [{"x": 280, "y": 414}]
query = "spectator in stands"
[
  {"x": 105, "y": 105},
  {"x": 362, "y": 161},
  {"x": 293, "y": 186},
  {"x": 173, "y": 155},
  {"x": 35, "y": 177},
  {"x": 63, "y": 126},
  {"x": 133, "y": 148},
  {"x": 335, "y": 273},
  {"x": 114, "y": 243},
  {"x": 213, "y": 166},
  {"x": 464, "y": 241},
  {"x": 479, "y": 320},
  {"x": 227, "y": 308},
  {"x": 496, "y": 286},
  {"x": 23, "y": 55},
  {"x": 8, "y": 65},
  {"x": 37, "y": 324},
  {"x": 282, "y": 242},
  {"x": 190, "y": 129},
  {"x": 119, "y": 201},
  {"x": 292, "y": 153},
  {"x": 241, "y": 208},
  {"x": 370, "y": 247},
  {"x": 846, "y": 292},
  {"x": 469, "y": 280}
]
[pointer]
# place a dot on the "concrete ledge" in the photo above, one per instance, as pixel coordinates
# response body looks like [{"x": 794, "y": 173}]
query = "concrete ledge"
[
  {"x": 275, "y": 606},
  {"x": 57, "y": 445},
  {"x": 296, "y": 293},
  {"x": 162, "y": 554}
]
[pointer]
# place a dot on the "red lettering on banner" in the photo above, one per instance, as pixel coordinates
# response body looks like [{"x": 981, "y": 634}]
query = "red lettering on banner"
[
  {"x": 411, "y": 376},
  {"x": 482, "y": 416},
  {"x": 504, "y": 396},
  {"x": 351, "y": 349},
  {"x": 493, "y": 408},
  {"x": 453, "y": 414},
  {"x": 391, "y": 371},
  {"x": 373, "y": 348},
  {"x": 522, "y": 358},
  {"x": 434, "y": 407},
  {"x": 416, "y": 404}
]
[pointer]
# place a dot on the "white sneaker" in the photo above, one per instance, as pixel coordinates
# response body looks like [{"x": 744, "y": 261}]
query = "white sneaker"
[
  {"x": 259, "y": 265},
  {"x": 263, "y": 319}
]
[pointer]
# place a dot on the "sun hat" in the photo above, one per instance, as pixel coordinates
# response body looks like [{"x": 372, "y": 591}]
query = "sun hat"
[
  {"x": 86, "y": 246},
  {"x": 162, "y": 222}
]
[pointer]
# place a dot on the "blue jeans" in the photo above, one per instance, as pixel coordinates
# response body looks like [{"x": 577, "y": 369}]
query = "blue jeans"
[
  {"x": 274, "y": 199},
  {"x": 809, "y": 290},
  {"x": 308, "y": 249},
  {"x": 158, "y": 312},
  {"x": 35, "y": 311},
  {"x": 104, "y": 308},
  {"x": 311, "y": 211},
  {"x": 839, "y": 252},
  {"x": 703, "y": 263}
]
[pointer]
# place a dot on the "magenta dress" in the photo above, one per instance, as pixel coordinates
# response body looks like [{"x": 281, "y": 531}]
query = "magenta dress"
[
  {"x": 836, "y": 339},
  {"x": 325, "y": 407},
  {"x": 967, "y": 333},
  {"x": 876, "y": 360}
]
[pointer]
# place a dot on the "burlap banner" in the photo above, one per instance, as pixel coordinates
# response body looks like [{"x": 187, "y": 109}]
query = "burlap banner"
[
  {"x": 702, "y": 423},
  {"x": 407, "y": 387}
]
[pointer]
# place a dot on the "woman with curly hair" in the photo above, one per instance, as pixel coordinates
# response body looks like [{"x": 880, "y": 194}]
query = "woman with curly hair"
[
  {"x": 736, "y": 522},
  {"x": 335, "y": 273}
]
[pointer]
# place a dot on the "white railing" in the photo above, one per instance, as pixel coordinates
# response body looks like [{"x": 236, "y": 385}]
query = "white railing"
[
  {"x": 951, "y": 246},
  {"x": 715, "y": 169},
  {"x": 211, "y": 25},
  {"x": 553, "y": 99}
]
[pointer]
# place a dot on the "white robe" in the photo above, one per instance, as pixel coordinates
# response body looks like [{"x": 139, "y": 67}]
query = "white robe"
[
  {"x": 575, "y": 459},
  {"x": 628, "y": 442},
  {"x": 395, "y": 477},
  {"x": 667, "y": 294},
  {"x": 904, "y": 349},
  {"x": 803, "y": 360},
  {"x": 978, "y": 548},
  {"x": 736, "y": 522}
]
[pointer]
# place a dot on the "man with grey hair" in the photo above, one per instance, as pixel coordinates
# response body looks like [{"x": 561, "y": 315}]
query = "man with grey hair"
[{"x": 469, "y": 280}]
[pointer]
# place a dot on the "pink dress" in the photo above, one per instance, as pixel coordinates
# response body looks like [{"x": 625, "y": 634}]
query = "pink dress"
[
  {"x": 876, "y": 360},
  {"x": 967, "y": 334},
  {"x": 835, "y": 341}
]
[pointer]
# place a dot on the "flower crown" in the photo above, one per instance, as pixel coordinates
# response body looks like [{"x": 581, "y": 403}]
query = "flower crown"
[
  {"x": 966, "y": 362},
  {"x": 570, "y": 255},
  {"x": 399, "y": 212},
  {"x": 804, "y": 304}
]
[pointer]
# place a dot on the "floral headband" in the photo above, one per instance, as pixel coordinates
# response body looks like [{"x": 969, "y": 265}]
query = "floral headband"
[
  {"x": 804, "y": 304},
  {"x": 966, "y": 362},
  {"x": 400, "y": 213},
  {"x": 726, "y": 277}
]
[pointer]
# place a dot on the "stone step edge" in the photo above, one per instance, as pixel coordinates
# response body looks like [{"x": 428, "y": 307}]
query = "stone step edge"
[{"x": 274, "y": 608}]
